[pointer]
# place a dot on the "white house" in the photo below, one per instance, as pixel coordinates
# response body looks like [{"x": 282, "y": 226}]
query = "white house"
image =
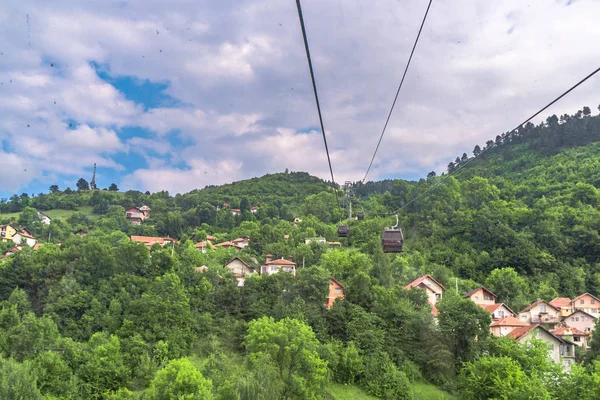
[
  {"x": 275, "y": 266},
  {"x": 44, "y": 218},
  {"x": 560, "y": 350},
  {"x": 240, "y": 269}
]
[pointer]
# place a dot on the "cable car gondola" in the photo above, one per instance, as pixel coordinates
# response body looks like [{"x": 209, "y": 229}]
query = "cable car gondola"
[
  {"x": 392, "y": 239},
  {"x": 343, "y": 230},
  {"x": 360, "y": 215}
]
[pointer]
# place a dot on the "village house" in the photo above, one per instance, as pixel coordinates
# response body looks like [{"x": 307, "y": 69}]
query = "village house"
[
  {"x": 241, "y": 241},
  {"x": 137, "y": 215},
  {"x": 236, "y": 211},
  {"x": 498, "y": 311},
  {"x": 274, "y": 266},
  {"x": 46, "y": 220},
  {"x": 318, "y": 240},
  {"x": 228, "y": 245},
  {"x": 334, "y": 245},
  {"x": 433, "y": 288},
  {"x": 578, "y": 337},
  {"x": 586, "y": 302},
  {"x": 253, "y": 209},
  {"x": 561, "y": 351},
  {"x": 204, "y": 245},
  {"x": 240, "y": 269},
  {"x": 540, "y": 312},
  {"x": 506, "y": 325},
  {"x": 149, "y": 241},
  {"x": 81, "y": 233},
  {"x": 563, "y": 304},
  {"x": 10, "y": 233},
  {"x": 336, "y": 290},
  {"x": 7, "y": 253},
  {"x": 581, "y": 320},
  {"x": 481, "y": 296}
]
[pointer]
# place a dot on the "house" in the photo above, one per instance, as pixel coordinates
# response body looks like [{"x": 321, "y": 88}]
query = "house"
[
  {"x": 135, "y": 215},
  {"x": 10, "y": 233},
  {"x": 334, "y": 245},
  {"x": 336, "y": 290},
  {"x": 560, "y": 350},
  {"x": 581, "y": 320},
  {"x": 275, "y": 266},
  {"x": 433, "y": 288},
  {"x": 499, "y": 311},
  {"x": 578, "y": 337},
  {"x": 146, "y": 210},
  {"x": 318, "y": 240},
  {"x": 506, "y": 325},
  {"x": 7, "y": 253},
  {"x": 229, "y": 245},
  {"x": 296, "y": 222},
  {"x": 540, "y": 312},
  {"x": 254, "y": 209},
  {"x": 81, "y": 233},
  {"x": 202, "y": 268},
  {"x": 481, "y": 295},
  {"x": 563, "y": 304},
  {"x": 241, "y": 241},
  {"x": 586, "y": 302},
  {"x": 240, "y": 269},
  {"x": 149, "y": 241},
  {"x": 236, "y": 211},
  {"x": 44, "y": 218}
]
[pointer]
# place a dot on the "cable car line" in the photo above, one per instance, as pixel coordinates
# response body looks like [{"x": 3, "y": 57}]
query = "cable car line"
[
  {"x": 515, "y": 129},
  {"x": 398, "y": 91},
  {"x": 314, "y": 85}
]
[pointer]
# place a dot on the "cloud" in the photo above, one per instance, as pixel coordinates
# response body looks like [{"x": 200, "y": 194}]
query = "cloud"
[{"x": 241, "y": 93}]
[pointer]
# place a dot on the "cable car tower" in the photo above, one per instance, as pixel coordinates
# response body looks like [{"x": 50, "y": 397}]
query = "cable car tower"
[{"x": 93, "y": 182}]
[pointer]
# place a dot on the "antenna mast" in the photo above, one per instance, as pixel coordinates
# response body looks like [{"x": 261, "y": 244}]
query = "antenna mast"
[{"x": 93, "y": 182}]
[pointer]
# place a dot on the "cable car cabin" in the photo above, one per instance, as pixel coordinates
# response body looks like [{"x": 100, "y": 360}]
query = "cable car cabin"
[
  {"x": 360, "y": 216},
  {"x": 343, "y": 231},
  {"x": 392, "y": 240}
]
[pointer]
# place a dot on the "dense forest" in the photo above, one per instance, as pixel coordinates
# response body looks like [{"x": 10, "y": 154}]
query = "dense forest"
[{"x": 103, "y": 317}]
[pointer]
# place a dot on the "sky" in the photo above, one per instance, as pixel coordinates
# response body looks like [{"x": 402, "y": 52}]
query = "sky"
[{"x": 176, "y": 95}]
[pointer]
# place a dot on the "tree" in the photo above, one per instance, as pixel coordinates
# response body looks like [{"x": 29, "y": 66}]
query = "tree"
[
  {"x": 432, "y": 174},
  {"x": 477, "y": 151},
  {"x": 103, "y": 368},
  {"x": 464, "y": 157},
  {"x": 510, "y": 288},
  {"x": 113, "y": 187},
  {"x": 586, "y": 111},
  {"x": 82, "y": 184},
  {"x": 179, "y": 380},
  {"x": 53, "y": 188},
  {"x": 293, "y": 348},
  {"x": 17, "y": 381}
]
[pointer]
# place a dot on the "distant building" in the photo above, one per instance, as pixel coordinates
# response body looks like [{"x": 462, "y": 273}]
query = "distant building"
[
  {"x": 149, "y": 241},
  {"x": 336, "y": 291},
  {"x": 81, "y": 233},
  {"x": 240, "y": 269},
  {"x": 137, "y": 215},
  {"x": 586, "y": 302},
  {"x": 506, "y": 325},
  {"x": 434, "y": 290},
  {"x": 579, "y": 338},
  {"x": 17, "y": 235},
  {"x": 241, "y": 241},
  {"x": 563, "y": 304},
  {"x": 275, "y": 266},
  {"x": 581, "y": 320},
  {"x": 540, "y": 312},
  {"x": 46, "y": 220},
  {"x": 560, "y": 350},
  {"x": 318, "y": 240},
  {"x": 481, "y": 296}
]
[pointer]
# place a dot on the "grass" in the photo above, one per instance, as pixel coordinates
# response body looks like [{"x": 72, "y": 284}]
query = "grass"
[
  {"x": 337, "y": 391},
  {"x": 422, "y": 391},
  {"x": 55, "y": 214}
]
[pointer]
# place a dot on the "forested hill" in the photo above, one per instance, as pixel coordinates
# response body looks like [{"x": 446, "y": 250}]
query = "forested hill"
[{"x": 104, "y": 317}]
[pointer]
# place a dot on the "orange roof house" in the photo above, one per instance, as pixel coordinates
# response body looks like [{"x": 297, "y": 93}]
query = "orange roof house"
[
  {"x": 506, "y": 325},
  {"x": 275, "y": 266},
  {"x": 481, "y": 295},
  {"x": 149, "y": 241},
  {"x": 564, "y": 305},
  {"x": 579, "y": 337},
  {"x": 498, "y": 311},
  {"x": 433, "y": 288},
  {"x": 336, "y": 290},
  {"x": 586, "y": 302}
]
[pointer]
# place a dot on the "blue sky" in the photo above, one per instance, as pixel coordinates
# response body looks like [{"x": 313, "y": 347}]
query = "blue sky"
[{"x": 182, "y": 94}]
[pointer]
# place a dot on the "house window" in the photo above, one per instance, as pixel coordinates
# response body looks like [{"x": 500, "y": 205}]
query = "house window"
[
  {"x": 543, "y": 308},
  {"x": 576, "y": 338},
  {"x": 594, "y": 310},
  {"x": 438, "y": 296},
  {"x": 476, "y": 297},
  {"x": 581, "y": 301},
  {"x": 593, "y": 301},
  {"x": 338, "y": 290},
  {"x": 576, "y": 318},
  {"x": 501, "y": 314},
  {"x": 572, "y": 318}
]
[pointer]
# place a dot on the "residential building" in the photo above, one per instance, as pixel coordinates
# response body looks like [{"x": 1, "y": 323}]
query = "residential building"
[
  {"x": 586, "y": 302},
  {"x": 17, "y": 235},
  {"x": 506, "y": 325},
  {"x": 560, "y": 350},
  {"x": 15, "y": 249},
  {"x": 334, "y": 245},
  {"x": 336, "y": 290},
  {"x": 564, "y": 305},
  {"x": 319, "y": 240},
  {"x": 581, "y": 320},
  {"x": 578, "y": 337},
  {"x": 433, "y": 288},
  {"x": 481, "y": 296},
  {"x": 540, "y": 312},
  {"x": 136, "y": 215},
  {"x": 241, "y": 241},
  {"x": 236, "y": 211},
  {"x": 275, "y": 266},
  {"x": 44, "y": 218},
  {"x": 253, "y": 209},
  {"x": 149, "y": 241},
  {"x": 229, "y": 245},
  {"x": 81, "y": 233},
  {"x": 240, "y": 269},
  {"x": 498, "y": 311}
]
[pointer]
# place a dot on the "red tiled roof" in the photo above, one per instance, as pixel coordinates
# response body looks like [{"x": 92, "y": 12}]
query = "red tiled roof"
[
  {"x": 200, "y": 244},
  {"x": 228, "y": 244},
  {"x": 520, "y": 332},
  {"x": 591, "y": 295},
  {"x": 493, "y": 307},
  {"x": 561, "y": 302},
  {"x": 417, "y": 281},
  {"x": 150, "y": 239},
  {"x": 336, "y": 282},
  {"x": 281, "y": 261},
  {"x": 529, "y": 307},
  {"x": 210, "y": 237},
  {"x": 509, "y": 321},
  {"x": 471, "y": 292},
  {"x": 567, "y": 331}
]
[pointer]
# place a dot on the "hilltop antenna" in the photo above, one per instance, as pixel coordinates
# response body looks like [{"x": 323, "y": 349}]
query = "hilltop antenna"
[{"x": 93, "y": 182}]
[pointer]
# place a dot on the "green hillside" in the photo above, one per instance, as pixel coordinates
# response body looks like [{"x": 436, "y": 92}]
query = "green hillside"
[{"x": 107, "y": 318}]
